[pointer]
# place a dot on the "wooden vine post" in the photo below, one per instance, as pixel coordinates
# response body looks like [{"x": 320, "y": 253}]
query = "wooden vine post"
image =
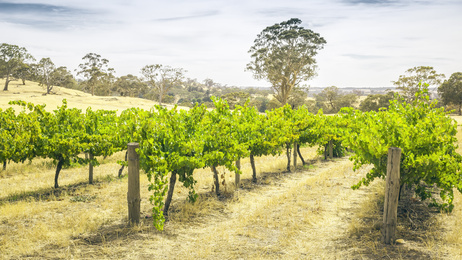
[
  {"x": 133, "y": 194},
  {"x": 331, "y": 149},
  {"x": 90, "y": 169},
  {"x": 390, "y": 211}
]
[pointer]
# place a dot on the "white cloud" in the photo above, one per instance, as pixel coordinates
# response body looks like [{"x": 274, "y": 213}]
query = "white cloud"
[{"x": 369, "y": 43}]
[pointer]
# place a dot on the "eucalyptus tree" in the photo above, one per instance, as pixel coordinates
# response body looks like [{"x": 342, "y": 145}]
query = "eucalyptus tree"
[
  {"x": 162, "y": 78},
  {"x": 283, "y": 54},
  {"x": 129, "y": 86},
  {"x": 451, "y": 90},
  {"x": 63, "y": 77},
  {"x": 94, "y": 70},
  {"x": 12, "y": 58},
  {"x": 409, "y": 83},
  {"x": 45, "y": 69}
]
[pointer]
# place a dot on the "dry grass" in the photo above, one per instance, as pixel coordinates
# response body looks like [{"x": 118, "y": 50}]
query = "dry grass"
[
  {"x": 309, "y": 214},
  {"x": 32, "y": 92}
]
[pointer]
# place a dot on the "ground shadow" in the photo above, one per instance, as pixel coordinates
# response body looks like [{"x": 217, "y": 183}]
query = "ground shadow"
[
  {"x": 53, "y": 194},
  {"x": 417, "y": 227}
]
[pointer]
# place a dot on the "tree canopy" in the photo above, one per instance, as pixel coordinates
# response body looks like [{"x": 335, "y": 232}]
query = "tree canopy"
[
  {"x": 95, "y": 69},
  {"x": 45, "y": 69},
  {"x": 12, "y": 58},
  {"x": 451, "y": 90},
  {"x": 331, "y": 100},
  {"x": 161, "y": 78},
  {"x": 409, "y": 83},
  {"x": 376, "y": 101},
  {"x": 284, "y": 55}
]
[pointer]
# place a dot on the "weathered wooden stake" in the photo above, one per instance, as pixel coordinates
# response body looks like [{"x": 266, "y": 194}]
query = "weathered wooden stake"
[
  {"x": 331, "y": 149},
  {"x": 390, "y": 211},
  {"x": 133, "y": 194},
  {"x": 295, "y": 156},
  {"x": 237, "y": 176}
]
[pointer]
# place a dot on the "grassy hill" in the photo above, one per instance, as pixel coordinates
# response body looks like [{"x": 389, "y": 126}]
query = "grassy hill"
[{"x": 32, "y": 92}]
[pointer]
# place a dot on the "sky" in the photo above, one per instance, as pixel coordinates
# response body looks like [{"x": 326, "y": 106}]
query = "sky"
[{"x": 369, "y": 42}]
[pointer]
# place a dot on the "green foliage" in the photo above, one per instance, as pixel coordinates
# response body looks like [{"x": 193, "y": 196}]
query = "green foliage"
[
  {"x": 44, "y": 70},
  {"x": 95, "y": 70},
  {"x": 129, "y": 86},
  {"x": 377, "y": 101},
  {"x": 283, "y": 54},
  {"x": 331, "y": 100},
  {"x": 12, "y": 59},
  {"x": 98, "y": 137},
  {"x": 162, "y": 78},
  {"x": 451, "y": 91},
  {"x": 221, "y": 144},
  {"x": 169, "y": 145},
  {"x": 236, "y": 98},
  {"x": 18, "y": 134},
  {"x": 409, "y": 84},
  {"x": 426, "y": 136}
]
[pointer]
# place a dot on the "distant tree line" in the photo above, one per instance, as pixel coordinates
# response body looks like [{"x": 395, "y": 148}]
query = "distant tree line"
[{"x": 169, "y": 85}]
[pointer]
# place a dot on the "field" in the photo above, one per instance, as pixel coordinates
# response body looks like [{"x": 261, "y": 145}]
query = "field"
[{"x": 310, "y": 214}]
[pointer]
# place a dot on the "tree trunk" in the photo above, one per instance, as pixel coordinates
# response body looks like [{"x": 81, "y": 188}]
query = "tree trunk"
[
  {"x": 325, "y": 151},
  {"x": 171, "y": 187},
  {"x": 90, "y": 170},
  {"x": 58, "y": 169},
  {"x": 254, "y": 171},
  {"x": 300, "y": 155},
  {"x": 7, "y": 81},
  {"x": 23, "y": 81},
  {"x": 161, "y": 94},
  {"x": 295, "y": 155},
  {"x": 4, "y": 165},
  {"x": 123, "y": 166},
  {"x": 288, "y": 157},
  {"x": 237, "y": 176},
  {"x": 217, "y": 181},
  {"x": 331, "y": 149}
]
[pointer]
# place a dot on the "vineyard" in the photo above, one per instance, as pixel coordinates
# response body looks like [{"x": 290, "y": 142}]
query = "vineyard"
[{"x": 193, "y": 160}]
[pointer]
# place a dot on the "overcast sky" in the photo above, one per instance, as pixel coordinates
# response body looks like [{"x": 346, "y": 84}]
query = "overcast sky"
[{"x": 369, "y": 42}]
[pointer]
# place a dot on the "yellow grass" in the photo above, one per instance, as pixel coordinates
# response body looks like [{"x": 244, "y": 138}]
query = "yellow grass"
[{"x": 32, "y": 92}]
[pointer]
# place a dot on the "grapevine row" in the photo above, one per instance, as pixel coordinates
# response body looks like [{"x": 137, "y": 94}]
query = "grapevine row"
[{"x": 177, "y": 142}]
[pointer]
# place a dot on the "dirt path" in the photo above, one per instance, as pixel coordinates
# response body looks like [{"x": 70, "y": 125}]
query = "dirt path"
[
  {"x": 310, "y": 214},
  {"x": 307, "y": 214}
]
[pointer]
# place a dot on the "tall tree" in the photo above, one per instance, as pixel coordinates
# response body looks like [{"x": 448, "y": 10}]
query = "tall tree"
[
  {"x": 45, "y": 69},
  {"x": 94, "y": 69},
  {"x": 451, "y": 91},
  {"x": 332, "y": 100},
  {"x": 64, "y": 78},
  {"x": 12, "y": 58},
  {"x": 376, "y": 101},
  {"x": 284, "y": 55},
  {"x": 161, "y": 78},
  {"x": 129, "y": 86},
  {"x": 409, "y": 83},
  {"x": 24, "y": 72}
]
